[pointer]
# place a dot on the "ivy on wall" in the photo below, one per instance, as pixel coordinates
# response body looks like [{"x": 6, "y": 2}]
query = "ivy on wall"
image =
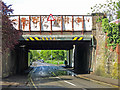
[{"x": 113, "y": 32}]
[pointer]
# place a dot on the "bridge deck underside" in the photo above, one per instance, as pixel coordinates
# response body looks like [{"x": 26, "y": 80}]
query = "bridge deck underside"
[
  {"x": 56, "y": 33},
  {"x": 52, "y": 45}
]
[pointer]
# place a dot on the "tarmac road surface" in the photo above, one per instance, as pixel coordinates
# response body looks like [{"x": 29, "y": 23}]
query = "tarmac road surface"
[{"x": 45, "y": 75}]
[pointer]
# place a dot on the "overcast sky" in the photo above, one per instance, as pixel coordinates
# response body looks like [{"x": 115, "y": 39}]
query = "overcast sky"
[{"x": 55, "y": 7}]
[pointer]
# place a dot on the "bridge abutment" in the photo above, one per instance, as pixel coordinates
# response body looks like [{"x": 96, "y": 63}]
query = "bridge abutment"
[
  {"x": 22, "y": 60},
  {"x": 9, "y": 62},
  {"x": 82, "y": 58}
]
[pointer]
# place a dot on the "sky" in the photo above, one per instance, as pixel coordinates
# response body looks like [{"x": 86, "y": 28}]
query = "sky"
[{"x": 55, "y": 7}]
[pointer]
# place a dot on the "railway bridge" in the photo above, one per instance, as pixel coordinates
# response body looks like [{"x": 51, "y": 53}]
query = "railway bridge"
[{"x": 73, "y": 33}]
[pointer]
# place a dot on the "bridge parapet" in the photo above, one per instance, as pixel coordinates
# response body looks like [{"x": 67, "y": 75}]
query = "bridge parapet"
[{"x": 63, "y": 24}]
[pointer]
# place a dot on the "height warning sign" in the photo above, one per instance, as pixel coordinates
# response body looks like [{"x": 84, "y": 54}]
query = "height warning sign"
[{"x": 50, "y": 18}]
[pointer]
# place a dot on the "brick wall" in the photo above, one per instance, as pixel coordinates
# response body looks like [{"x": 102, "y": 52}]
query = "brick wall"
[
  {"x": 9, "y": 63},
  {"x": 105, "y": 61}
]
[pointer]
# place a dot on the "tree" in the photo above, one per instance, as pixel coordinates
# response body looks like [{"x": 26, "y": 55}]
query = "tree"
[
  {"x": 56, "y": 54},
  {"x": 61, "y": 55},
  {"x": 10, "y": 35},
  {"x": 110, "y": 9},
  {"x": 45, "y": 54},
  {"x": 35, "y": 55}
]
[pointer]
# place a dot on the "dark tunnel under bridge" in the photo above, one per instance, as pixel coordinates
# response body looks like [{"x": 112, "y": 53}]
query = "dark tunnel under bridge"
[{"x": 79, "y": 51}]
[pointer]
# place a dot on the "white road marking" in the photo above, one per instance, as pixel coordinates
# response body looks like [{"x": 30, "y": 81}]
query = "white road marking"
[
  {"x": 67, "y": 81},
  {"x": 70, "y": 83},
  {"x": 58, "y": 77},
  {"x": 83, "y": 89}
]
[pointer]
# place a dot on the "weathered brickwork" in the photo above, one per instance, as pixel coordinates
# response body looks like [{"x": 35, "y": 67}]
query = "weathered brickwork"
[
  {"x": 9, "y": 63},
  {"x": 106, "y": 61}
]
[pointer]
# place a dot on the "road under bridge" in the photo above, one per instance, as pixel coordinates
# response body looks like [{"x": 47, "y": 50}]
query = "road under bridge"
[{"x": 78, "y": 49}]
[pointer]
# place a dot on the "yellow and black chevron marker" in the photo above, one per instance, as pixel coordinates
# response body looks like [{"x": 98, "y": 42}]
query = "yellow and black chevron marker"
[
  {"x": 77, "y": 38},
  {"x": 40, "y": 38}
]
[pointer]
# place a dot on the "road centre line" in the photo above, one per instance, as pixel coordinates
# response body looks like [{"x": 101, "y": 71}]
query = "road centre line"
[
  {"x": 58, "y": 77},
  {"x": 67, "y": 81},
  {"x": 83, "y": 89}
]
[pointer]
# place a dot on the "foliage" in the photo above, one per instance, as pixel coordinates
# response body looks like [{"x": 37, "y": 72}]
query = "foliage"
[
  {"x": 115, "y": 71},
  {"x": 10, "y": 35},
  {"x": 34, "y": 55},
  {"x": 58, "y": 54},
  {"x": 109, "y": 9},
  {"x": 46, "y": 55},
  {"x": 118, "y": 10},
  {"x": 57, "y": 62},
  {"x": 6, "y": 9},
  {"x": 112, "y": 29}
]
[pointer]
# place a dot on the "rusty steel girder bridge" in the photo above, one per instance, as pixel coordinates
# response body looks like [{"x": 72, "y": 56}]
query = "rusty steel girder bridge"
[
  {"x": 65, "y": 32},
  {"x": 62, "y": 27}
]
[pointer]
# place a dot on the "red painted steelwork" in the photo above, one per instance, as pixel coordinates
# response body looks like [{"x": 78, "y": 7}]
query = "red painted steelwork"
[
  {"x": 40, "y": 25},
  {"x": 29, "y": 23},
  {"x": 18, "y": 22},
  {"x": 61, "y": 25},
  {"x": 51, "y": 27},
  {"x": 72, "y": 24},
  {"x": 82, "y": 25}
]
